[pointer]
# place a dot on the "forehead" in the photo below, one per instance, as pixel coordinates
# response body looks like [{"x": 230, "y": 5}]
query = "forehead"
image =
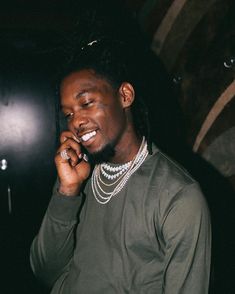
[{"x": 83, "y": 79}]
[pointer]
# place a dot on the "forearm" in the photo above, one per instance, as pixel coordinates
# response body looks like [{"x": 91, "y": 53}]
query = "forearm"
[{"x": 52, "y": 249}]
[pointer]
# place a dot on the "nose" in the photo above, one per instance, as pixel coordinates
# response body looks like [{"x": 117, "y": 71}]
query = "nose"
[{"x": 78, "y": 121}]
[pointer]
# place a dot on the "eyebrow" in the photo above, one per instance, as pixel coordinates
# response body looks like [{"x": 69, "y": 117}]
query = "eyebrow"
[{"x": 87, "y": 88}]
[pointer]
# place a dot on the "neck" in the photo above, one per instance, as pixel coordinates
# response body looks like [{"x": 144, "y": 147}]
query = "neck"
[{"x": 127, "y": 151}]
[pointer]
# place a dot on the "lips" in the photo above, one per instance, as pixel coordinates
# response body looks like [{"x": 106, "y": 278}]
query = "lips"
[{"x": 87, "y": 136}]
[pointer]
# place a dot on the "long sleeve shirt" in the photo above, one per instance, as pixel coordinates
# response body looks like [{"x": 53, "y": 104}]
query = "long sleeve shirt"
[{"x": 153, "y": 237}]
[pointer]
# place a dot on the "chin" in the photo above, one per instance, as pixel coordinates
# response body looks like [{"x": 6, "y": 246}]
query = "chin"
[{"x": 103, "y": 155}]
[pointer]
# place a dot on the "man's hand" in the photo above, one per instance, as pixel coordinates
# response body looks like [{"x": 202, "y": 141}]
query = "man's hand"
[{"x": 74, "y": 171}]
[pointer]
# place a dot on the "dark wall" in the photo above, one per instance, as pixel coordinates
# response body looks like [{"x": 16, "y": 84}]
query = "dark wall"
[
  {"x": 28, "y": 136},
  {"x": 194, "y": 53}
]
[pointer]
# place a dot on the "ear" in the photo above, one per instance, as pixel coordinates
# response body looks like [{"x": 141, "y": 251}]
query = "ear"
[{"x": 127, "y": 94}]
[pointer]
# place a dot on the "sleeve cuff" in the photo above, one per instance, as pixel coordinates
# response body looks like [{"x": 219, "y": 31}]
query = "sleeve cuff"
[{"x": 64, "y": 208}]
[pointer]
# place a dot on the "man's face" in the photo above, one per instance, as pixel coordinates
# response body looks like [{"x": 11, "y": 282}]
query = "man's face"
[{"x": 94, "y": 110}]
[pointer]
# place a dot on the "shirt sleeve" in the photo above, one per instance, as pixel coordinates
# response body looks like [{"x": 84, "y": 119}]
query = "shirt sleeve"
[
  {"x": 52, "y": 249},
  {"x": 186, "y": 232}
]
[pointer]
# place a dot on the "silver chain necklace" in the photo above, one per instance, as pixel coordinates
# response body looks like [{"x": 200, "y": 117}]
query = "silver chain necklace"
[
  {"x": 113, "y": 172},
  {"x": 119, "y": 176}
]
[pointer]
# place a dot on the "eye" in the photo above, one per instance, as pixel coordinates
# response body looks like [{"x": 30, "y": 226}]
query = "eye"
[
  {"x": 87, "y": 103},
  {"x": 68, "y": 116}
]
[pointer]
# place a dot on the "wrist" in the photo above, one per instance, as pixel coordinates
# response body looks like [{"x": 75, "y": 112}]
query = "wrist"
[{"x": 69, "y": 190}]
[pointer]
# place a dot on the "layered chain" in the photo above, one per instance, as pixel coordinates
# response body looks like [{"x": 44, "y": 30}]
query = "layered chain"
[
  {"x": 113, "y": 172},
  {"x": 116, "y": 177}
]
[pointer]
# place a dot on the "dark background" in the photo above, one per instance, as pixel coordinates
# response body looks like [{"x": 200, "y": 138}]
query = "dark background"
[
  {"x": 33, "y": 37},
  {"x": 28, "y": 140}
]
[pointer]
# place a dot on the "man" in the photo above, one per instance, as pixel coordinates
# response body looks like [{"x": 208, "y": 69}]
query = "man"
[{"x": 135, "y": 222}]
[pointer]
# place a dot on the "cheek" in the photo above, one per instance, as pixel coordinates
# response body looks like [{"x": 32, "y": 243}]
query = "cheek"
[
  {"x": 116, "y": 123},
  {"x": 71, "y": 128},
  {"x": 110, "y": 118}
]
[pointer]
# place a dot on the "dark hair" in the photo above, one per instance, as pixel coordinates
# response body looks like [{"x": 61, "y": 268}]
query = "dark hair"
[{"x": 117, "y": 62}]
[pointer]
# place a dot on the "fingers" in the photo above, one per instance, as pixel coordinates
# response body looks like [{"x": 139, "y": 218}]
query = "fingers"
[
  {"x": 73, "y": 157},
  {"x": 68, "y": 135},
  {"x": 71, "y": 144},
  {"x": 73, "y": 151}
]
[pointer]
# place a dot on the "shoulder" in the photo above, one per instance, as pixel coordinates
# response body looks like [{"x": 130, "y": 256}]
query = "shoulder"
[
  {"x": 166, "y": 172},
  {"x": 172, "y": 186}
]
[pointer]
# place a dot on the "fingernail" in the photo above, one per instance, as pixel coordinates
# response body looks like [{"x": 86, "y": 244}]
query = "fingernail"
[
  {"x": 85, "y": 157},
  {"x": 76, "y": 139},
  {"x": 80, "y": 156}
]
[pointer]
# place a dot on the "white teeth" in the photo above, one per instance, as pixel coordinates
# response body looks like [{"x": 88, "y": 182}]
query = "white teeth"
[{"x": 87, "y": 136}]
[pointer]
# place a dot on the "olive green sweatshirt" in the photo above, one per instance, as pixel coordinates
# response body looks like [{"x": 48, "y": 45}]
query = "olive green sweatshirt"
[{"x": 153, "y": 237}]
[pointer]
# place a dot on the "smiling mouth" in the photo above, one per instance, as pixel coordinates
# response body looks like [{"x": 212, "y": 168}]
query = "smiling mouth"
[{"x": 87, "y": 136}]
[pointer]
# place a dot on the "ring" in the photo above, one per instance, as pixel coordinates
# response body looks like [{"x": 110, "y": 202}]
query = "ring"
[{"x": 64, "y": 154}]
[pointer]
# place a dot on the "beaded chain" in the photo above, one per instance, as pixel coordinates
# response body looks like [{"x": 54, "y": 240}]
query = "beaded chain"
[
  {"x": 118, "y": 175},
  {"x": 106, "y": 168}
]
